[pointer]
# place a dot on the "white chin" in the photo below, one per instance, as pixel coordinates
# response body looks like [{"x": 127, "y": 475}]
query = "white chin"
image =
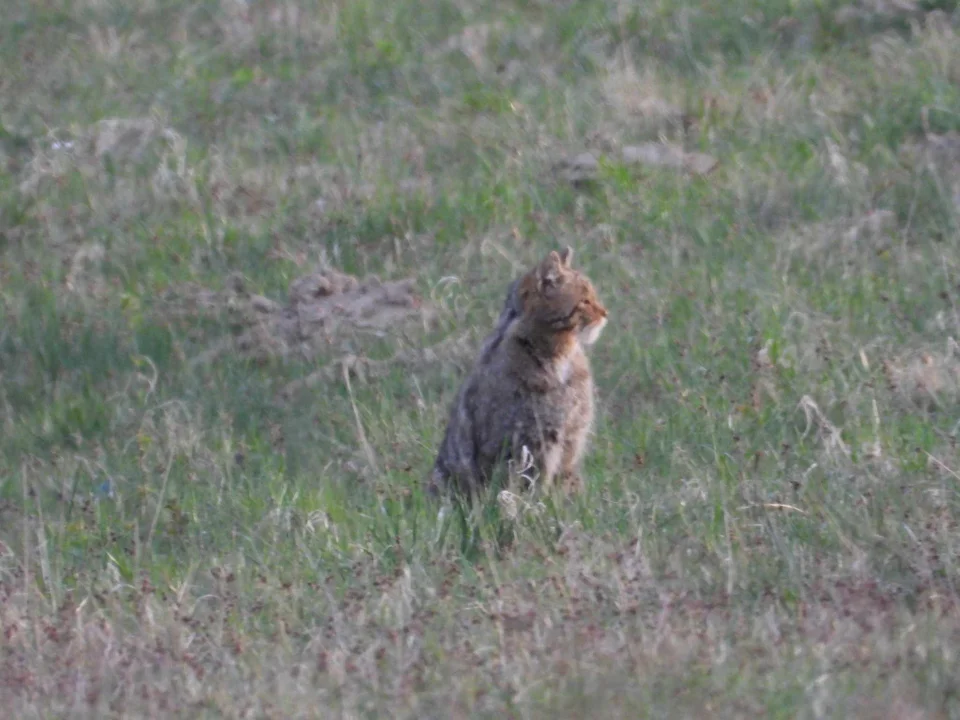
[{"x": 589, "y": 335}]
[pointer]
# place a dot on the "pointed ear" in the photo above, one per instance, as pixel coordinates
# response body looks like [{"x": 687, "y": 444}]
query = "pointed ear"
[
  {"x": 566, "y": 256},
  {"x": 549, "y": 271}
]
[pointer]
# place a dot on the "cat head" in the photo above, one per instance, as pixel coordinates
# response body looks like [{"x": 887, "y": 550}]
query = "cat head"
[{"x": 560, "y": 299}]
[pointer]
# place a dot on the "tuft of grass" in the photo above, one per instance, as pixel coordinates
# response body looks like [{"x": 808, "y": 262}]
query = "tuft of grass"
[{"x": 768, "y": 526}]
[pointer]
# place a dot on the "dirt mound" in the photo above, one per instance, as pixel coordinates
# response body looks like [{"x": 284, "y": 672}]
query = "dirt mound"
[
  {"x": 325, "y": 310},
  {"x": 327, "y": 313}
]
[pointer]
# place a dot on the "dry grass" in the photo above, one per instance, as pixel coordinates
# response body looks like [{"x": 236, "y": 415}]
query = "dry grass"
[{"x": 767, "y": 196}]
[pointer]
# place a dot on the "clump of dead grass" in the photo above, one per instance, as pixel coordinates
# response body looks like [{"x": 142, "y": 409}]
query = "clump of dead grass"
[
  {"x": 473, "y": 43},
  {"x": 938, "y": 155},
  {"x": 105, "y": 156},
  {"x": 848, "y": 243},
  {"x": 242, "y": 23},
  {"x": 85, "y": 276},
  {"x": 867, "y": 10},
  {"x": 928, "y": 380},
  {"x": 384, "y": 159},
  {"x": 932, "y": 46},
  {"x": 121, "y": 140},
  {"x": 640, "y": 95}
]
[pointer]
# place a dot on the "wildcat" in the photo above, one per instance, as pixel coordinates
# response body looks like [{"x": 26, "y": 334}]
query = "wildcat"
[{"x": 531, "y": 387}]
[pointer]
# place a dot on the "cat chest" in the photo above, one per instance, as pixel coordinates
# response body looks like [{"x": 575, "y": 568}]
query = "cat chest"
[{"x": 571, "y": 370}]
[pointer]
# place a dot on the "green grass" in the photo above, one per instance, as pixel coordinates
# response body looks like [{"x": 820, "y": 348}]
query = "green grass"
[{"x": 769, "y": 524}]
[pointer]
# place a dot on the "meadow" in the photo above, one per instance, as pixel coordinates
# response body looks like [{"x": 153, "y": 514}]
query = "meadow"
[{"x": 247, "y": 252}]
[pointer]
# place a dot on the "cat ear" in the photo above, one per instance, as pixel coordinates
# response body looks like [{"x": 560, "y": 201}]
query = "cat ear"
[
  {"x": 566, "y": 256},
  {"x": 550, "y": 269}
]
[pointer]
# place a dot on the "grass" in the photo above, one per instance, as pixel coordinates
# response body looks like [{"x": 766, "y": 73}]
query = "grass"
[{"x": 769, "y": 525}]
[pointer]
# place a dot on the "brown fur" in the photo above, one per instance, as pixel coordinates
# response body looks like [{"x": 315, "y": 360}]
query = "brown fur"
[{"x": 531, "y": 386}]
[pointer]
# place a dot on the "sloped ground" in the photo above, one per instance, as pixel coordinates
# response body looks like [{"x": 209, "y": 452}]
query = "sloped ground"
[{"x": 247, "y": 251}]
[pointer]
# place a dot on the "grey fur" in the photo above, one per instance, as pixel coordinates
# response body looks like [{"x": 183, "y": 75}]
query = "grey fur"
[{"x": 510, "y": 312}]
